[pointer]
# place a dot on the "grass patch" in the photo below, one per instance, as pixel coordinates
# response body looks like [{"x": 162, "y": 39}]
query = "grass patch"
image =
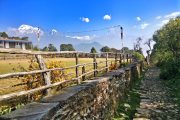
[{"x": 127, "y": 107}]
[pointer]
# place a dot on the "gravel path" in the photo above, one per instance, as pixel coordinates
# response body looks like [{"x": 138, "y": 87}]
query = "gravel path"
[{"x": 155, "y": 100}]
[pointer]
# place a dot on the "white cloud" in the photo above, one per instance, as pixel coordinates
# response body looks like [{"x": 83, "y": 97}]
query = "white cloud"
[
  {"x": 53, "y": 31},
  {"x": 138, "y": 18},
  {"x": 158, "y": 17},
  {"x": 86, "y": 37},
  {"x": 144, "y": 25},
  {"x": 167, "y": 17},
  {"x": 107, "y": 17},
  {"x": 25, "y": 29},
  {"x": 85, "y": 19},
  {"x": 172, "y": 15},
  {"x": 163, "y": 22}
]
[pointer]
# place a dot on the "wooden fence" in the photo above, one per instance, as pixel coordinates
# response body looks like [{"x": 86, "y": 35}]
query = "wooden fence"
[{"x": 46, "y": 73}]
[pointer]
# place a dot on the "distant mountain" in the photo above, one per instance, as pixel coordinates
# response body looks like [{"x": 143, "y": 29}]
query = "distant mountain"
[{"x": 86, "y": 47}]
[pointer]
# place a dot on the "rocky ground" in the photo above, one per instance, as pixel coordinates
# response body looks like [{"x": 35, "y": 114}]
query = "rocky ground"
[{"x": 156, "y": 102}]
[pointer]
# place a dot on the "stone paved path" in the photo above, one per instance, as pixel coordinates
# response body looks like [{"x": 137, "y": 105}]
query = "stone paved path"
[{"x": 155, "y": 100}]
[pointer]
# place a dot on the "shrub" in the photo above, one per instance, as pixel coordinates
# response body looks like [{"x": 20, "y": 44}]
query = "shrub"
[{"x": 138, "y": 55}]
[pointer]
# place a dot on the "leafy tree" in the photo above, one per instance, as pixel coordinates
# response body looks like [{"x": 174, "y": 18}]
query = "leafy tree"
[
  {"x": 4, "y": 35},
  {"x": 45, "y": 48},
  {"x": 24, "y": 38},
  {"x": 138, "y": 55},
  {"x": 105, "y": 49},
  {"x": 35, "y": 48},
  {"x": 125, "y": 49},
  {"x": 51, "y": 47},
  {"x": 93, "y": 50},
  {"x": 66, "y": 47},
  {"x": 113, "y": 50},
  {"x": 137, "y": 45},
  {"x": 167, "y": 48}
]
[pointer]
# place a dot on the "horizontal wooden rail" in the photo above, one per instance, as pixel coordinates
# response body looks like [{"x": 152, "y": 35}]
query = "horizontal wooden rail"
[
  {"x": 46, "y": 72},
  {"x": 21, "y": 93},
  {"x": 42, "y": 71}
]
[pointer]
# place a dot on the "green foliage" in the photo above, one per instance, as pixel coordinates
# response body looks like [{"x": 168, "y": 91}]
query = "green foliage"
[
  {"x": 66, "y": 47},
  {"x": 4, "y": 35},
  {"x": 45, "y": 49},
  {"x": 51, "y": 47},
  {"x": 35, "y": 48},
  {"x": 93, "y": 50},
  {"x": 174, "y": 85},
  {"x": 24, "y": 38},
  {"x": 138, "y": 55},
  {"x": 127, "y": 107},
  {"x": 166, "y": 51},
  {"x": 105, "y": 49}
]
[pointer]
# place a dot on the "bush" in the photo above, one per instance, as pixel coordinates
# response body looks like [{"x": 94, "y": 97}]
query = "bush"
[
  {"x": 138, "y": 55},
  {"x": 169, "y": 69}
]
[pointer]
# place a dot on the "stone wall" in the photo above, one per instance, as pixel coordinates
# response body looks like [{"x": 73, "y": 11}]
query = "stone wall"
[{"x": 95, "y": 99}]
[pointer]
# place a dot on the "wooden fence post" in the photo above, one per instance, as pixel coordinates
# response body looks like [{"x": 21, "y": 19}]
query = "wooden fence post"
[
  {"x": 83, "y": 72},
  {"x": 107, "y": 67},
  {"x": 77, "y": 72},
  {"x": 95, "y": 65},
  {"x": 120, "y": 59},
  {"x": 46, "y": 75},
  {"x": 127, "y": 57},
  {"x": 130, "y": 58},
  {"x": 115, "y": 59}
]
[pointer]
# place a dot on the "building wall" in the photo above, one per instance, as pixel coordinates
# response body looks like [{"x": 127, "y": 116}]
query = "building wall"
[
  {"x": 1, "y": 44},
  {"x": 6, "y": 45},
  {"x": 23, "y": 46}
]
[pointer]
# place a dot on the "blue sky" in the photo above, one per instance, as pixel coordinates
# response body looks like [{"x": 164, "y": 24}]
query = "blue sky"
[{"x": 138, "y": 18}]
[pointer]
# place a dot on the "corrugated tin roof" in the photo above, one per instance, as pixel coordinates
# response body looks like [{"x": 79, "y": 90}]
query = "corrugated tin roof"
[{"x": 22, "y": 41}]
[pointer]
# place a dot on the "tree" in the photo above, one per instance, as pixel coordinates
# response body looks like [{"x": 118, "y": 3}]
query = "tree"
[
  {"x": 45, "y": 48},
  {"x": 166, "y": 50},
  {"x": 35, "y": 48},
  {"x": 148, "y": 43},
  {"x": 125, "y": 49},
  {"x": 93, "y": 50},
  {"x": 4, "y": 35},
  {"x": 24, "y": 38},
  {"x": 137, "y": 45},
  {"x": 105, "y": 49},
  {"x": 51, "y": 47},
  {"x": 113, "y": 50},
  {"x": 66, "y": 47}
]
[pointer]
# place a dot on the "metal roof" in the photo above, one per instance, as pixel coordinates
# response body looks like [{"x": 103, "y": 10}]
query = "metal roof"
[{"x": 21, "y": 41}]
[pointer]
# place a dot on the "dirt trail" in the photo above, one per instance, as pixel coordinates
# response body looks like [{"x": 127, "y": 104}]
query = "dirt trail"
[{"x": 155, "y": 99}]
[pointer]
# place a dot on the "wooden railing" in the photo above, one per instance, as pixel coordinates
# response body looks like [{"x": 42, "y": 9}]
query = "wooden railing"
[{"x": 46, "y": 73}]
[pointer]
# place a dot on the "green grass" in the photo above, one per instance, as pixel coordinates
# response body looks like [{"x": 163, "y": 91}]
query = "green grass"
[{"x": 127, "y": 107}]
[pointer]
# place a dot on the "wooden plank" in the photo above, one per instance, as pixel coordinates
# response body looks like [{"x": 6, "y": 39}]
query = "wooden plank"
[
  {"x": 36, "y": 71},
  {"x": 21, "y": 93}
]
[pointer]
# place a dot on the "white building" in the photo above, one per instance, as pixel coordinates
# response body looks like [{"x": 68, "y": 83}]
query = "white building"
[{"x": 18, "y": 44}]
